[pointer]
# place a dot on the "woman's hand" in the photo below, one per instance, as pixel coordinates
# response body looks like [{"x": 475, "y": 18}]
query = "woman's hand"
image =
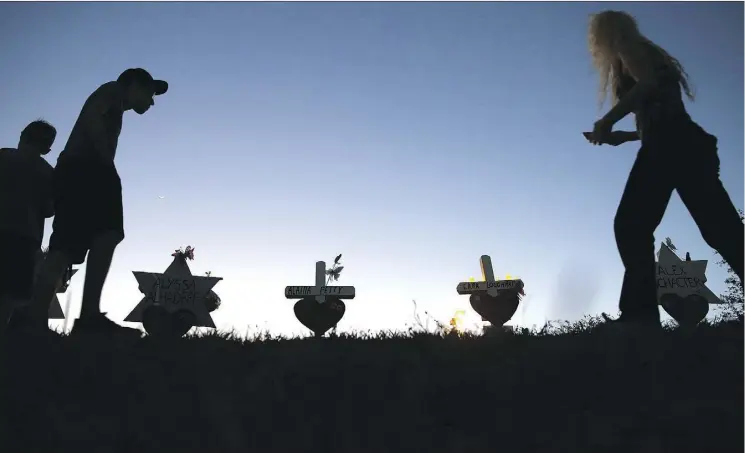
[
  {"x": 601, "y": 132},
  {"x": 614, "y": 138}
]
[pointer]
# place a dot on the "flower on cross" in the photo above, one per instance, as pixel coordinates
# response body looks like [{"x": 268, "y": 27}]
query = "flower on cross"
[{"x": 335, "y": 272}]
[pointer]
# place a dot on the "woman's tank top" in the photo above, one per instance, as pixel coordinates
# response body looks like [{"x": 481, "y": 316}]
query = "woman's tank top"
[{"x": 663, "y": 106}]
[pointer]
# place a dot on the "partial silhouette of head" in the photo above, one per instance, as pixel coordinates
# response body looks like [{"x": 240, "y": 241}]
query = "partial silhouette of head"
[
  {"x": 140, "y": 89},
  {"x": 37, "y": 138},
  {"x": 610, "y": 28},
  {"x": 609, "y": 32}
]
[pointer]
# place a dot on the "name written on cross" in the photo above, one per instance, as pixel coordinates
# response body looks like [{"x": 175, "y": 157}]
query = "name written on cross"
[
  {"x": 485, "y": 286},
  {"x": 489, "y": 284},
  {"x": 320, "y": 290},
  {"x": 308, "y": 291}
]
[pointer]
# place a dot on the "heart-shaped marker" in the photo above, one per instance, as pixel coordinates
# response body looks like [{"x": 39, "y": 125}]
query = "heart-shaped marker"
[
  {"x": 497, "y": 310},
  {"x": 182, "y": 321},
  {"x": 686, "y": 311},
  {"x": 317, "y": 317},
  {"x": 158, "y": 322}
]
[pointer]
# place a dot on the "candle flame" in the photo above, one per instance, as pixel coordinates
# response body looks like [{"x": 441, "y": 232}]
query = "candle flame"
[
  {"x": 457, "y": 322},
  {"x": 496, "y": 277}
]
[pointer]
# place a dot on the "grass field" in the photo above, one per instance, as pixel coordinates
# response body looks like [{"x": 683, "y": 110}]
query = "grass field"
[{"x": 566, "y": 392}]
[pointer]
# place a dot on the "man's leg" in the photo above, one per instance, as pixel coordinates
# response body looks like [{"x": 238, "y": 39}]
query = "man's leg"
[
  {"x": 7, "y": 268},
  {"x": 640, "y": 211},
  {"x": 99, "y": 262},
  {"x": 23, "y": 312},
  {"x": 107, "y": 227},
  {"x": 65, "y": 245}
]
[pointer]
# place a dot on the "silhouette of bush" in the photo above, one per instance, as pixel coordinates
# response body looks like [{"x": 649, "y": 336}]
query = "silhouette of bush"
[
  {"x": 733, "y": 297},
  {"x": 559, "y": 388}
]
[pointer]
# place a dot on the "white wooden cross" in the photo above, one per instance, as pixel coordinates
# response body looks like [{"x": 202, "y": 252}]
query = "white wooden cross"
[
  {"x": 489, "y": 284},
  {"x": 319, "y": 290}
]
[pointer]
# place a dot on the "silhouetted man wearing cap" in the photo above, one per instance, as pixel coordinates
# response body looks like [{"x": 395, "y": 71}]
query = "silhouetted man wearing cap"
[{"x": 88, "y": 202}]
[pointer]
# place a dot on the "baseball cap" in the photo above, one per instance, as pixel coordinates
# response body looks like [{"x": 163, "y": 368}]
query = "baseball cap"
[{"x": 142, "y": 77}]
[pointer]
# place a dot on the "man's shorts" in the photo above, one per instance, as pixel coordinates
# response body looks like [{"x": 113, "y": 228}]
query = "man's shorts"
[
  {"x": 87, "y": 203},
  {"x": 18, "y": 256}
]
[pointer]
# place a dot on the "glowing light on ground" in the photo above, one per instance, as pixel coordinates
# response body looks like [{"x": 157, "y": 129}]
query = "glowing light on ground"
[{"x": 457, "y": 322}]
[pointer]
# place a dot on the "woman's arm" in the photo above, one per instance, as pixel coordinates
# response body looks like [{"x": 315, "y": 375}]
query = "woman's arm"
[
  {"x": 629, "y": 136},
  {"x": 639, "y": 61}
]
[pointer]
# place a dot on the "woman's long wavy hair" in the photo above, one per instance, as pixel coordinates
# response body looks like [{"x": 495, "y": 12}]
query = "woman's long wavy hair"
[{"x": 607, "y": 30}]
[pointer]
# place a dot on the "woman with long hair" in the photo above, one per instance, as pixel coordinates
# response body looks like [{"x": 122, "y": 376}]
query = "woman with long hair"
[{"x": 676, "y": 154}]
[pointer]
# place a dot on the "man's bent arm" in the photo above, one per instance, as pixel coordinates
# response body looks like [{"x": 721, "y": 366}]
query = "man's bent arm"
[
  {"x": 47, "y": 207},
  {"x": 96, "y": 121}
]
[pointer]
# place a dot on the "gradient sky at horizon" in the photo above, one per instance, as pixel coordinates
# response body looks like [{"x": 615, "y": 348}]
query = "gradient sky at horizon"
[{"x": 410, "y": 137}]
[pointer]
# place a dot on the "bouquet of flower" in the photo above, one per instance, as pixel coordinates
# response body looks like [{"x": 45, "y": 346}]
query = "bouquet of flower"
[
  {"x": 187, "y": 253},
  {"x": 212, "y": 301}
]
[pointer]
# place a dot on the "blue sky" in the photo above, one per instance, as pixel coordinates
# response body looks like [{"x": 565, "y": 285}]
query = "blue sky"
[{"x": 411, "y": 137}]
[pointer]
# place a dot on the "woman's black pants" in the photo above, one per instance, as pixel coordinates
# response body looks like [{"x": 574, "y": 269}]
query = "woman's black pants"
[{"x": 676, "y": 156}]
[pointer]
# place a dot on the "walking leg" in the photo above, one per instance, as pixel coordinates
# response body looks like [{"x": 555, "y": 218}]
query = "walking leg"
[{"x": 643, "y": 203}]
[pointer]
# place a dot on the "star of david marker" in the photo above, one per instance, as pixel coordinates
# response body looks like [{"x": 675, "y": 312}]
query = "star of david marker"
[
  {"x": 489, "y": 284},
  {"x": 319, "y": 290},
  {"x": 682, "y": 278},
  {"x": 55, "y": 307},
  {"x": 175, "y": 289}
]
